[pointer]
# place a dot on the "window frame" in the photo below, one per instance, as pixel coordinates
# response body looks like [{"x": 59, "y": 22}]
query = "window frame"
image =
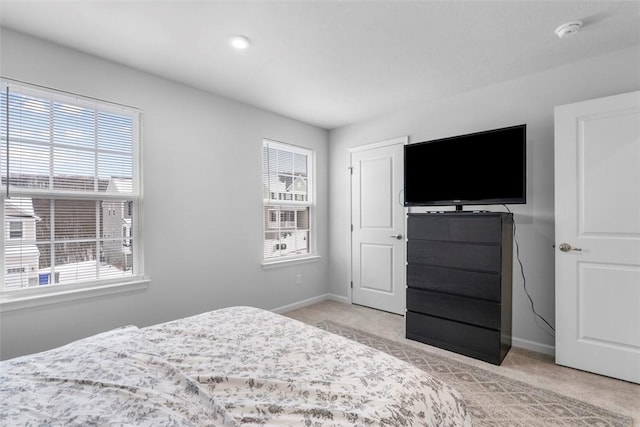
[
  {"x": 271, "y": 206},
  {"x": 31, "y": 296}
]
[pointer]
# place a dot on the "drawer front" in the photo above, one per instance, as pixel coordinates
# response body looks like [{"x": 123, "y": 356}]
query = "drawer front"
[
  {"x": 452, "y": 307},
  {"x": 429, "y": 227},
  {"x": 456, "y": 255},
  {"x": 473, "y": 341},
  {"x": 456, "y": 228},
  {"x": 460, "y": 282}
]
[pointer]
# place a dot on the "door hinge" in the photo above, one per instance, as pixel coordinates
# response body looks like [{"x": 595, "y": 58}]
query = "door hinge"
[
  {"x": 350, "y": 169},
  {"x": 352, "y": 284},
  {"x": 352, "y": 228}
]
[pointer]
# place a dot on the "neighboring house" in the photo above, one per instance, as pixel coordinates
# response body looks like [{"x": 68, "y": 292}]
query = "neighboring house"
[
  {"x": 21, "y": 259},
  {"x": 28, "y": 264},
  {"x": 287, "y": 189},
  {"x": 286, "y": 228},
  {"x": 73, "y": 223},
  {"x": 116, "y": 222}
]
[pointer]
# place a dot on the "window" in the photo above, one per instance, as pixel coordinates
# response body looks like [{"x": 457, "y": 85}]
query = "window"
[
  {"x": 15, "y": 229},
  {"x": 71, "y": 167},
  {"x": 287, "y": 179}
]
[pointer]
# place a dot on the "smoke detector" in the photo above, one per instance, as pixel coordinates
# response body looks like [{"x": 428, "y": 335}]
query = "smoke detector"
[{"x": 568, "y": 29}]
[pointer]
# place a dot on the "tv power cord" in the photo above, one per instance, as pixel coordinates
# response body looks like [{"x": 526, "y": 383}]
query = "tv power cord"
[{"x": 524, "y": 280}]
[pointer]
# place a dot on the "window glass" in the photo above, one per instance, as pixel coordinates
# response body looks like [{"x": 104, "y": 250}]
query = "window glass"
[{"x": 15, "y": 229}]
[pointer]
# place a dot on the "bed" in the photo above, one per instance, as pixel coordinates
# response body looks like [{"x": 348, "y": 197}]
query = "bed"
[{"x": 230, "y": 367}]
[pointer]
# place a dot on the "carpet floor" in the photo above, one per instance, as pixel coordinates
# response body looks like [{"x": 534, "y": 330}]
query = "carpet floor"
[{"x": 492, "y": 399}]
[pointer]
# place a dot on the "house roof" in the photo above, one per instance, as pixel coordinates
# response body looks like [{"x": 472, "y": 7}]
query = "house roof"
[
  {"x": 298, "y": 184},
  {"x": 77, "y": 182},
  {"x": 281, "y": 186},
  {"x": 120, "y": 185},
  {"x": 19, "y": 207}
]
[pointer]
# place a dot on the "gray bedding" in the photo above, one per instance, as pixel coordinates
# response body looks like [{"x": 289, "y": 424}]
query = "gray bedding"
[{"x": 229, "y": 367}]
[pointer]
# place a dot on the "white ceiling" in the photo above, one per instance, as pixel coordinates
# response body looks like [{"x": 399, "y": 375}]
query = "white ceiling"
[{"x": 331, "y": 63}]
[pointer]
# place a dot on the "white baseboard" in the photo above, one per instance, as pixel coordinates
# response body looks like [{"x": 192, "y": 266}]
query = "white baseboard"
[
  {"x": 533, "y": 346},
  {"x": 338, "y": 298},
  {"x": 310, "y": 301},
  {"x": 300, "y": 304}
]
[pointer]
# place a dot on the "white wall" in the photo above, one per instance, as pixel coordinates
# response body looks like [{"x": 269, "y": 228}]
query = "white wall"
[
  {"x": 527, "y": 100},
  {"x": 203, "y": 241},
  {"x": 202, "y": 207}
]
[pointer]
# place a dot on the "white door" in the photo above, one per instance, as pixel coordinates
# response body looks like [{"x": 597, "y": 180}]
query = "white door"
[
  {"x": 597, "y": 217},
  {"x": 378, "y": 244}
]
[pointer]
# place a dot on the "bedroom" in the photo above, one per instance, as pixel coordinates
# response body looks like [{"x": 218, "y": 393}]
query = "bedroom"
[{"x": 202, "y": 239}]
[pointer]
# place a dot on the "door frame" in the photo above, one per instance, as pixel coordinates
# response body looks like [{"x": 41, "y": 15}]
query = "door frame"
[{"x": 404, "y": 140}]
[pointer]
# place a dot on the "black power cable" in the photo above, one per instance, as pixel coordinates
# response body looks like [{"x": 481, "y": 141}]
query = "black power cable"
[{"x": 524, "y": 280}]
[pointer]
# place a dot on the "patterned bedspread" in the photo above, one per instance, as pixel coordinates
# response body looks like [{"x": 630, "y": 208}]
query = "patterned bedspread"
[{"x": 231, "y": 367}]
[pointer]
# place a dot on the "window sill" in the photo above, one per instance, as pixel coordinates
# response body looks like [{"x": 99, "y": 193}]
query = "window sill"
[
  {"x": 16, "y": 300},
  {"x": 292, "y": 261}
]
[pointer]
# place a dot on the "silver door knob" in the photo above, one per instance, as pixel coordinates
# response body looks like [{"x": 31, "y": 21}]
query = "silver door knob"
[
  {"x": 565, "y": 247},
  {"x": 396, "y": 236}
]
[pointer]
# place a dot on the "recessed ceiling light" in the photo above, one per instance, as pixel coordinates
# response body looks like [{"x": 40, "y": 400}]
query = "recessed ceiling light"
[
  {"x": 568, "y": 29},
  {"x": 239, "y": 42}
]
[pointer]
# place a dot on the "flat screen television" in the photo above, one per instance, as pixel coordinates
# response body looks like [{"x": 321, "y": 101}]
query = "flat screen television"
[{"x": 483, "y": 168}]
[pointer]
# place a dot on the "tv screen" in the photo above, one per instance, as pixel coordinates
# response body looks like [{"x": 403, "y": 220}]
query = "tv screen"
[{"x": 483, "y": 168}]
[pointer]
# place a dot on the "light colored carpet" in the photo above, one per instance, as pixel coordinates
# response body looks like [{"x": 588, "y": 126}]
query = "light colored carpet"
[{"x": 492, "y": 399}]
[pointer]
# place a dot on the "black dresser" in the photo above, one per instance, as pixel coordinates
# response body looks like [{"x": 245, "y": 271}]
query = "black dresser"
[{"x": 459, "y": 272}]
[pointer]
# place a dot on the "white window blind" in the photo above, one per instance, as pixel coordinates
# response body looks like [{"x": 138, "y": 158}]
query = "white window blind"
[
  {"x": 70, "y": 177},
  {"x": 288, "y": 201}
]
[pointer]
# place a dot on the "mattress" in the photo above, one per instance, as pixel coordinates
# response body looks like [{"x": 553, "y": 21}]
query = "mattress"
[{"x": 235, "y": 366}]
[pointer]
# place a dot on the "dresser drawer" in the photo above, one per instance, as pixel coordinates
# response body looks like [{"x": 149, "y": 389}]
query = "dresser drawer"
[
  {"x": 460, "y": 282},
  {"x": 455, "y": 228},
  {"x": 473, "y": 341},
  {"x": 481, "y": 257},
  {"x": 453, "y": 307}
]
